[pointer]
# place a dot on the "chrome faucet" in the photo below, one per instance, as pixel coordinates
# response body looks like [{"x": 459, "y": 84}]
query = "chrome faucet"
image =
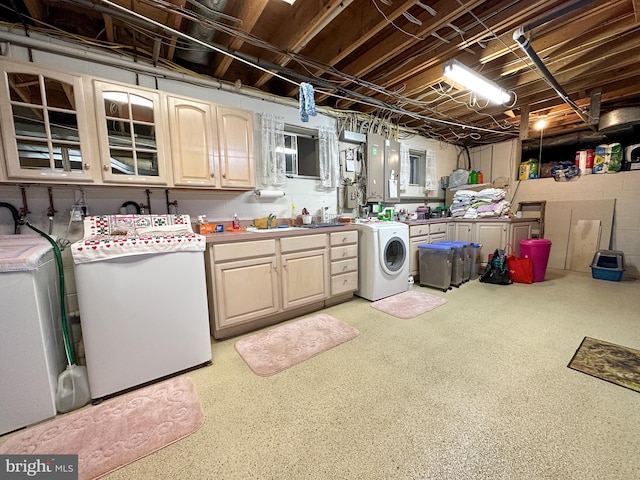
[{"x": 272, "y": 216}]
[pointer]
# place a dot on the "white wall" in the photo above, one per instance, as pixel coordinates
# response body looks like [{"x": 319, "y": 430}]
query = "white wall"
[{"x": 624, "y": 187}]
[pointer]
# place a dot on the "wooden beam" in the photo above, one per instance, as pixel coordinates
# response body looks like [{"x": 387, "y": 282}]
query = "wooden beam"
[
  {"x": 249, "y": 14},
  {"x": 313, "y": 21},
  {"x": 36, "y": 9},
  {"x": 174, "y": 21},
  {"x": 524, "y": 122},
  {"x": 108, "y": 27}
]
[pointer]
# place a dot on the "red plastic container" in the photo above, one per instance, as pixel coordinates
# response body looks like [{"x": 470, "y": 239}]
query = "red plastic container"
[{"x": 537, "y": 249}]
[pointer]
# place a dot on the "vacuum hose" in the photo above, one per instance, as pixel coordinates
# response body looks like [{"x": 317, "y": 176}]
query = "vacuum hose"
[{"x": 63, "y": 310}]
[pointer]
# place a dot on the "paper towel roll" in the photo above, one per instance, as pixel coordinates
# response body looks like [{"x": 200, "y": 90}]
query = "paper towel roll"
[{"x": 269, "y": 193}]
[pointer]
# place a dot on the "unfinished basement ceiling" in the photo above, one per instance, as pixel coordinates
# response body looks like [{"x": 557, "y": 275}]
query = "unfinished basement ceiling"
[{"x": 383, "y": 58}]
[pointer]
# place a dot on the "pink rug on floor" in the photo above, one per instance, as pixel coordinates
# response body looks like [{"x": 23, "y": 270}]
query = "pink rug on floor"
[
  {"x": 277, "y": 349},
  {"x": 408, "y": 304},
  {"x": 118, "y": 431}
]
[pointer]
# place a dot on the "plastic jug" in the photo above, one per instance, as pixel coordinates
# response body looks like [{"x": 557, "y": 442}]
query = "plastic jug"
[{"x": 73, "y": 389}]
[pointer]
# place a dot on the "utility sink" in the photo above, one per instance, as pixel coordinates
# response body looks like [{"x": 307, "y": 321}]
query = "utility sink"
[{"x": 272, "y": 230}]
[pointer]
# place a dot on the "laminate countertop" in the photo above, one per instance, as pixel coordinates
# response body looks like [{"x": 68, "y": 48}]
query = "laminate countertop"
[{"x": 246, "y": 236}]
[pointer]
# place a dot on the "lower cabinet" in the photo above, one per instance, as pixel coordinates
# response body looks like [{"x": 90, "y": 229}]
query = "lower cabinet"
[
  {"x": 256, "y": 283},
  {"x": 344, "y": 262},
  {"x": 243, "y": 283},
  {"x": 497, "y": 234},
  {"x": 490, "y": 236},
  {"x": 305, "y": 266},
  {"x": 418, "y": 234}
]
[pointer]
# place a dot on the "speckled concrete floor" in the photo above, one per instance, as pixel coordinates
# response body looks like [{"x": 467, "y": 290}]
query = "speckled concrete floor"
[{"x": 476, "y": 389}]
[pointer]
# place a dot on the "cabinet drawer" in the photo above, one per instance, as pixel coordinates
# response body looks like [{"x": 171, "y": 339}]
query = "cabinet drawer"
[
  {"x": 418, "y": 230},
  {"x": 344, "y": 266},
  {"x": 343, "y": 238},
  {"x": 341, "y": 253},
  {"x": 240, "y": 250},
  {"x": 304, "y": 242},
  {"x": 438, "y": 228},
  {"x": 344, "y": 283}
]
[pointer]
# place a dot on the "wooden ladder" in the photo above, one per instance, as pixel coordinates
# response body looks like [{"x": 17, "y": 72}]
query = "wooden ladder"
[{"x": 534, "y": 209}]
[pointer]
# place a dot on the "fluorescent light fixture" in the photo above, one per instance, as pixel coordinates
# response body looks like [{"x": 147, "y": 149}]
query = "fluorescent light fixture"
[{"x": 475, "y": 82}]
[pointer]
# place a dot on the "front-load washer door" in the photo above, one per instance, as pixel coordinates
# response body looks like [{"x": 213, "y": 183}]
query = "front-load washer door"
[{"x": 393, "y": 256}]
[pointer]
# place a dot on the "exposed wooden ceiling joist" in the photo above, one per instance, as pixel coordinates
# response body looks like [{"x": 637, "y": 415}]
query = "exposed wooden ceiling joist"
[{"x": 385, "y": 58}]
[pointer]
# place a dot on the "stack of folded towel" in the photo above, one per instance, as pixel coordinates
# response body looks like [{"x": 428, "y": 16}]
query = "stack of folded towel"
[
  {"x": 488, "y": 202},
  {"x": 462, "y": 200}
]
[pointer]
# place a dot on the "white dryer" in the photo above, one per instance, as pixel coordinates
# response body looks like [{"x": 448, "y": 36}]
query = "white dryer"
[{"x": 383, "y": 259}]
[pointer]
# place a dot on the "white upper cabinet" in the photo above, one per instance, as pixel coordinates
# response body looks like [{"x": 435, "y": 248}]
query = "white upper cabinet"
[
  {"x": 130, "y": 134},
  {"x": 235, "y": 139},
  {"x": 193, "y": 143},
  {"x": 45, "y": 125}
]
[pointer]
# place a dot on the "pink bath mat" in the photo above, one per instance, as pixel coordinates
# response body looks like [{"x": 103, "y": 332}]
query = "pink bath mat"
[{"x": 408, "y": 304}]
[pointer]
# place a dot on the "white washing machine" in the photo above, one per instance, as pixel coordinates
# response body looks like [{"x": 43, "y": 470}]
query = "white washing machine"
[
  {"x": 31, "y": 344},
  {"x": 142, "y": 299},
  {"x": 383, "y": 259}
]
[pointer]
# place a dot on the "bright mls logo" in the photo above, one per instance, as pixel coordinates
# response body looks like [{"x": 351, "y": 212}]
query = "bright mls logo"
[{"x": 51, "y": 467}]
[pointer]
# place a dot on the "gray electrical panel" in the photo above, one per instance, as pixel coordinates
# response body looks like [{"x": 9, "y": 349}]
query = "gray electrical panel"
[
  {"x": 391, "y": 171},
  {"x": 383, "y": 169},
  {"x": 375, "y": 168}
]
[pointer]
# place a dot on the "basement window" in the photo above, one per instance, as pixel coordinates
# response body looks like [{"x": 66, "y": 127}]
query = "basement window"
[
  {"x": 417, "y": 167},
  {"x": 301, "y": 151}
]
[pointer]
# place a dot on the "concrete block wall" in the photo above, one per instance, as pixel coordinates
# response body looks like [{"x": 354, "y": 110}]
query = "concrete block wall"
[{"x": 623, "y": 187}]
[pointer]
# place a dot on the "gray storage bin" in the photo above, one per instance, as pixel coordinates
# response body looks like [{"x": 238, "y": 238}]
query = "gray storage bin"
[{"x": 436, "y": 264}]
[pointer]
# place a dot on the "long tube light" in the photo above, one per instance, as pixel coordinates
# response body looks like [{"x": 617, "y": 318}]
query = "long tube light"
[{"x": 475, "y": 82}]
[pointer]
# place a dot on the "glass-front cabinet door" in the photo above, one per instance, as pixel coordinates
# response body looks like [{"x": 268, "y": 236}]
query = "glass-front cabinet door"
[
  {"x": 44, "y": 125},
  {"x": 131, "y": 135}
]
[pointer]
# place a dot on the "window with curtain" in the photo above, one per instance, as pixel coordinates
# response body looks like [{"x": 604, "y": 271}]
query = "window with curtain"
[
  {"x": 272, "y": 150},
  {"x": 329, "y": 161},
  {"x": 302, "y": 151}
]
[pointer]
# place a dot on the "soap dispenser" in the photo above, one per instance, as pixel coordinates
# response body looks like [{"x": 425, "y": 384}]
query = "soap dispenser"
[{"x": 236, "y": 222}]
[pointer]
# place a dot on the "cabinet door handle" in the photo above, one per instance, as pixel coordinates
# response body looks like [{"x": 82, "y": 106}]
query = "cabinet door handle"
[
  {"x": 224, "y": 175},
  {"x": 105, "y": 168},
  {"x": 86, "y": 166}
]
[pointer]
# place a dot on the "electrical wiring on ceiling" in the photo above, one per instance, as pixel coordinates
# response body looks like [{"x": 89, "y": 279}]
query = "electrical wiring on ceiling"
[{"x": 395, "y": 100}]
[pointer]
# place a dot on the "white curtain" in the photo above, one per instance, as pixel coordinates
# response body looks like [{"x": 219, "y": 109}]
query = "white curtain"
[
  {"x": 273, "y": 166},
  {"x": 430, "y": 181},
  {"x": 405, "y": 166},
  {"x": 329, "y": 168}
]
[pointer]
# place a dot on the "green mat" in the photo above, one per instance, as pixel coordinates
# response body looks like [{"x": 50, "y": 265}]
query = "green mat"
[{"x": 608, "y": 361}]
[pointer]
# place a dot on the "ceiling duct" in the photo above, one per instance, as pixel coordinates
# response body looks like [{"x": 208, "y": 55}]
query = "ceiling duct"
[
  {"x": 191, "y": 51},
  {"x": 571, "y": 139},
  {"x": 619, "y": 120}
]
